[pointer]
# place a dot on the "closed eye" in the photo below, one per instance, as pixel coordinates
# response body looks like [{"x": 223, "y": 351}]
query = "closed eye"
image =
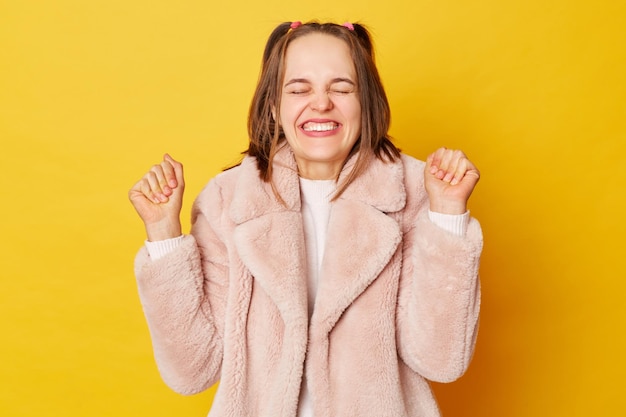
[
  {"x": 342, "y": 86},
  {"x": 297, "y": 86},
  {"x": 341, "y": 92},
  {"x": 338, "y": 86}
]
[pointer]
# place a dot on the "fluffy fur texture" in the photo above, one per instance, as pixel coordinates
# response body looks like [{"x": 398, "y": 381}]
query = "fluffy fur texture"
[{"x": 397, "y": 303}]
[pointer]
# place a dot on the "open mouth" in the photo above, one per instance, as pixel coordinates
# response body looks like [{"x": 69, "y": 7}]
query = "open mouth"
[{"x": 319, "y": 127}]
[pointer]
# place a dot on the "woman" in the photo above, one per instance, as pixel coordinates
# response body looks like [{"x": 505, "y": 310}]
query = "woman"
[{"x": 327, "y": 274}]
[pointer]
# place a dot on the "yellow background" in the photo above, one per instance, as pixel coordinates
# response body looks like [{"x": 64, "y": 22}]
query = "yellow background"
[{"x": 92, "y": 92}]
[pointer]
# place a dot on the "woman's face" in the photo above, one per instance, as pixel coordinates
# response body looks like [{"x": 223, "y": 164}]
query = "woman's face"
[{"x": 320, "y": 112}]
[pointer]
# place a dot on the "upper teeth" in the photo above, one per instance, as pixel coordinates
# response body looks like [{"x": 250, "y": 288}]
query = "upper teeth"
[{"x": 319, "y": 127}]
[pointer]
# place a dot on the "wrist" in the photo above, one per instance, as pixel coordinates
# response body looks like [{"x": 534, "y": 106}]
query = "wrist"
[
  {"x": 448, "y": 207},
  {"x": 164, "y": 229}
]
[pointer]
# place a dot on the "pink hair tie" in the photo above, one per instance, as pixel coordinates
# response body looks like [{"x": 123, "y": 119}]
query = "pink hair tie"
[
  {"x": 295, "y": 25},
  {"x": 348, "y": 25}
]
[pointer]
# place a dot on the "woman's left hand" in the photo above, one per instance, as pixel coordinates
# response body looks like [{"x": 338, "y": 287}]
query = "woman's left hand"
[{"x": 449, "y": 179}]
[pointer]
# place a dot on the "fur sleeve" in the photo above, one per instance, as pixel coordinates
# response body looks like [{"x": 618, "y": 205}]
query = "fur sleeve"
[
  {"x": 439, "y": 292},
  {"x": 183, "y": 296}
]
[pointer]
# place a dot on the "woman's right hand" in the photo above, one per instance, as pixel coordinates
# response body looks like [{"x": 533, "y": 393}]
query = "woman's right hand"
[{"x": 158, "y": 199}]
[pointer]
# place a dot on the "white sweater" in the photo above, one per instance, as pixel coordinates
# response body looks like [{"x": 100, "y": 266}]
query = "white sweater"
[{"x": 315, "y": 195}]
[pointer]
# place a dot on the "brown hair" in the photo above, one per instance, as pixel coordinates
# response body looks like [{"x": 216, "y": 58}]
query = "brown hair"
[{"x": 265, "y": 133}]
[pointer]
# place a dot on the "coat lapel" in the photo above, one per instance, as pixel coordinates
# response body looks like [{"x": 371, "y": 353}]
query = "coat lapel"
[
  {"x": 351, "y": 265},
  {"x": 269, "y": 236},
  {"x": 361, "y": 239}
]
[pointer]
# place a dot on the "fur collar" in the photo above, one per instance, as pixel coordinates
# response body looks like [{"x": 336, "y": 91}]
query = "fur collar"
[{"x": 381, "y": 186}]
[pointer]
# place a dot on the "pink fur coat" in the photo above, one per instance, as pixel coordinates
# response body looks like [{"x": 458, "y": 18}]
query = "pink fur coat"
[{"x": 397, "y": 302}]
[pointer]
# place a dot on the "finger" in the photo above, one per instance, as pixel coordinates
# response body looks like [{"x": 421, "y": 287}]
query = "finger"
[
  {"x": 178, "y": 169},
  {"x": 139, "y": 191},
  {"x": 431, "y": 168},
  {"x": 168, "y": 181},
  {"x": 170, "y": 170},
  {"x": 456, "y": 166},
  {"x": 154, "y": 178},
  {"x": 144, "y": 188},
  {"x": 161, "y": 171},
  {"x": 435, "y": 160},
  {"x": 468, "y": 173},
  {"x": 472, "y": 174},
  {"x": 459, "y": 172},
  {"x": 447, "y": 165},
  {"x": 450, "y": 164}
]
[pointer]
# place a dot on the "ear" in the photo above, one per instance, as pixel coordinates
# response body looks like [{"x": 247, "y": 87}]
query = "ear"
[{"x": 273, "y": 113}]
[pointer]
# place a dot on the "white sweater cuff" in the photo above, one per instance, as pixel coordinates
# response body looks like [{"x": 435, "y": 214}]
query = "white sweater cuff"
[
  {"x": 160, "y": 248},
  {"x": 453, "y": 223}
]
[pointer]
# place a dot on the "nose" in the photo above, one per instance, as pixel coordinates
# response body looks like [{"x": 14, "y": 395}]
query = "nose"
[{"x": 321, "y": 101}]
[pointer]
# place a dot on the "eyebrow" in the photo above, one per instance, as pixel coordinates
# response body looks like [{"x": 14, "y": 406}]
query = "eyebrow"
[{"x": 333, "y": 81}]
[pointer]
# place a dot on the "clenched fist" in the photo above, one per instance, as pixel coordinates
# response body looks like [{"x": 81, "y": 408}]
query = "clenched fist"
[
  {"x": 449, "y": 179},
  {"x": 158, "y": 199}
]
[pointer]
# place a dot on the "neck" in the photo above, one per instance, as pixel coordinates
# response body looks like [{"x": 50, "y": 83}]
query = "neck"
[{"x": 318, "y": 171}]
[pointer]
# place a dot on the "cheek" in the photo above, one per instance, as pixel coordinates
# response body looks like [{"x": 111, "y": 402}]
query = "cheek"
[
  {"x": 352, "y": 108},
  {"x": 287, "y": 121},
  {"x": 354, "y": 113},
  {"x": 286, "y": 113},
  {"x": 289, "y": 114}
]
